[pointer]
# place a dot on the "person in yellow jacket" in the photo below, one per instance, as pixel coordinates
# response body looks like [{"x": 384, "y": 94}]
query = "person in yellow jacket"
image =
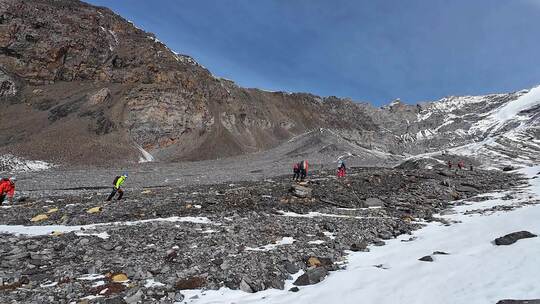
[{"x": 118, "y": 182}]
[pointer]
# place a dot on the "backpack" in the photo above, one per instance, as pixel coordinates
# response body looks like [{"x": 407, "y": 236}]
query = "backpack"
[{"x": 115, "y": 180}]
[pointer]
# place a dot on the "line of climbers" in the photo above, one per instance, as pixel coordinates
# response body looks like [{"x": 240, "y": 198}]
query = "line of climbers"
[{"x": 300, "y": 170}]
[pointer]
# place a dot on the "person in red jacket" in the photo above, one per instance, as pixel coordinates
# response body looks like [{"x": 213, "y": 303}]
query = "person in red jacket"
[
  {"x": 7, "y": 187},
  {"x": 342, "y": 170}
]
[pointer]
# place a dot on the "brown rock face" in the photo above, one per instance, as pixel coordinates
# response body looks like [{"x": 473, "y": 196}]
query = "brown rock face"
[{"x": 83, "y": 85}]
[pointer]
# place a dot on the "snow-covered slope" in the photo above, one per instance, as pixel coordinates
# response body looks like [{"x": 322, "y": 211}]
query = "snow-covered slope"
[{"x": 510, "y": 132}]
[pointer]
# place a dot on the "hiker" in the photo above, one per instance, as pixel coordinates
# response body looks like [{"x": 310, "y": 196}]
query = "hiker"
[
  {"x": 7, "y": 187},
  {"x": 470, "y": 167},
  {"x": 118, "y": 181},
  {"x": 296, "y": 171},
  {"x": 341, "y": 169},
  {"x": 460, "y": 165},
  {"x": 303, "y": 169},
  {"x": 450, "y": 165}
]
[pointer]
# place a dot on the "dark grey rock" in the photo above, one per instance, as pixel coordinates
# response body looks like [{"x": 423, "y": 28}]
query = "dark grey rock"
[
  {"x": 513, "y": 237},
  {"x": 426, "y": 258},
  {"x": 245, "y": 287},
  {"x": 311, "y": 276},
  {"x": 385, "y": 235},
  {"x": 360, "y": 246}
]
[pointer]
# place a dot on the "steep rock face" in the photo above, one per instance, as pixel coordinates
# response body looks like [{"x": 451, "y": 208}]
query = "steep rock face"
[{"x": 116, "y": 86}]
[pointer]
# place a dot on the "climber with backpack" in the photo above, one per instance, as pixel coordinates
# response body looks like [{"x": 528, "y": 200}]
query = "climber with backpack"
[{"x": 117, "y": 183}]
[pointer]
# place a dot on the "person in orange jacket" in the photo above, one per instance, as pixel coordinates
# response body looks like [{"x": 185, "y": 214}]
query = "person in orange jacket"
[{"x": 7, "y": 187}]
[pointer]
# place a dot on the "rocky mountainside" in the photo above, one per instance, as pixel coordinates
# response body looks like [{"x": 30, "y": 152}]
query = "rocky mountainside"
[{"x": 80, "y": 84}]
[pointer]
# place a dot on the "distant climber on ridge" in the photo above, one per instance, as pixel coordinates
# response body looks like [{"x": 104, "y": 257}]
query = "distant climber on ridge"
[
  {"x": 342, "y": 170},
  {"x": 7, "y": 187},
  {"x": 117, "y": 183}
]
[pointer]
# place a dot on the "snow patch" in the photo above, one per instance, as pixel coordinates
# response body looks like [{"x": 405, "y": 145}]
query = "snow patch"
[
  {"x": 152, "y": 283},
  {"x": 49, "y": 229},
  {"x": 91, "y": 277},
  {"x": 11, "y": 163},
  {"x": 146, "y": 157},
  {"x": 283, "y": 241}
]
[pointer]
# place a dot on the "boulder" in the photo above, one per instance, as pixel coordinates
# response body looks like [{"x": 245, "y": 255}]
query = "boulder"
[
  {"x": 513, "y": 237},
  {"x": 39, "y": 218},
  {"x": 301, "y": 191},
  {"x": 319, "y": 261},
  {"x": 508, "y": 168},
  {"x": 373, "y": 202},
  {"x": 313, "y": 262},
  {"x": 311, "y": 276},
  {"x": 190, "y": 283},
  {"x": 426, "y": 258},
  {"x": 360, "y": 246},
  {"x": 94, "y": 210},
  {"x": 119, "y": 278},
  {"x": 245, "y": 287},
  {"x": 52, "y": 210}
]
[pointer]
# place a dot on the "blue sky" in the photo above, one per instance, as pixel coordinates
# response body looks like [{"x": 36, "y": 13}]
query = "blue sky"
[{"x": 373, "y": 51}]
